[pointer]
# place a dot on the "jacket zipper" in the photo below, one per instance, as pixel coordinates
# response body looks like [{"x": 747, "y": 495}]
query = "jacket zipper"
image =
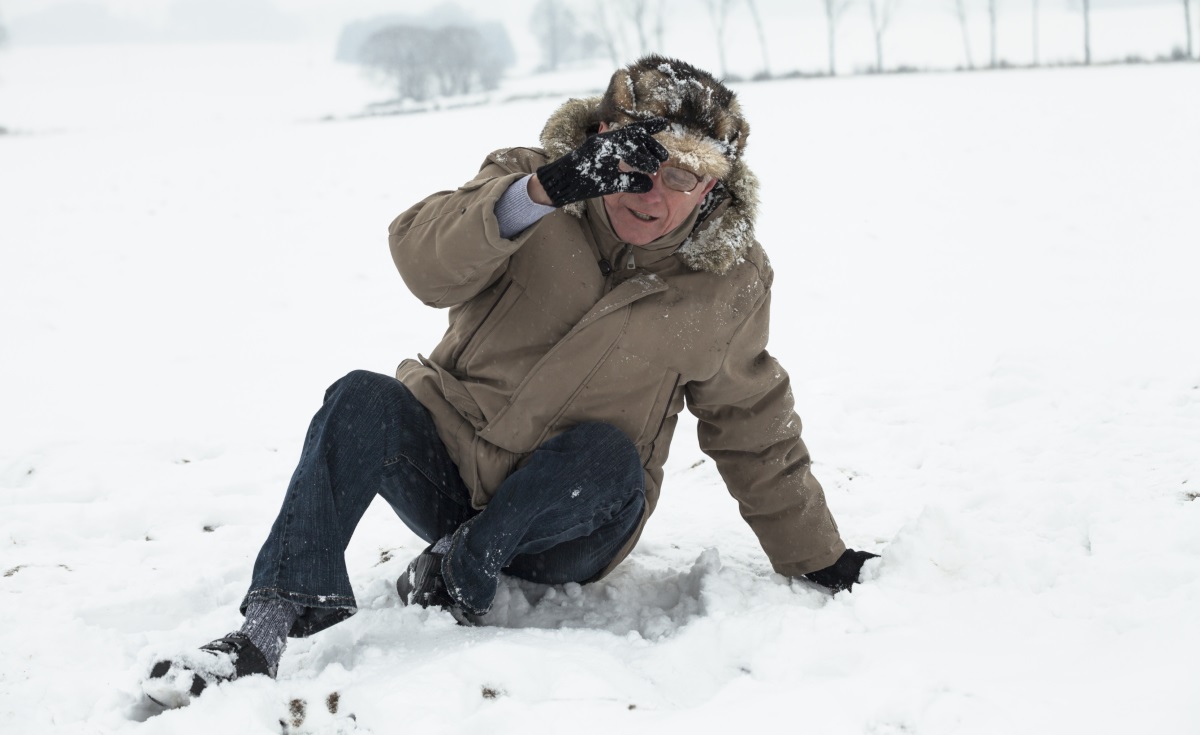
[{"x": 627, "y": 253}]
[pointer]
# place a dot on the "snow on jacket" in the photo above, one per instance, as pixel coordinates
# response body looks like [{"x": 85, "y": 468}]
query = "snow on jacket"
[{"x": 541, "y": 338}]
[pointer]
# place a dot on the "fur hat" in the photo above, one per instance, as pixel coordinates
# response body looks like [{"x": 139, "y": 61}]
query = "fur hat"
[
  {"x": 708, "y": 133},
  {"x": 708, "y": 136}
]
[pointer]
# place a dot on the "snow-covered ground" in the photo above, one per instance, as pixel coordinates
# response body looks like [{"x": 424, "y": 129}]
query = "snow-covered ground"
[{"x": 985, "y": 293}]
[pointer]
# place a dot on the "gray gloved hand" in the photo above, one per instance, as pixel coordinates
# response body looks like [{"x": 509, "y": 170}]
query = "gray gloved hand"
[
  {"x": 591, "y": 170},
  {"x": 843, "y": 573}
]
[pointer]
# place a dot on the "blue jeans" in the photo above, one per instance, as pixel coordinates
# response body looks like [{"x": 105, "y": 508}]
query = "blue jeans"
[{"x": 561, "y": 517}]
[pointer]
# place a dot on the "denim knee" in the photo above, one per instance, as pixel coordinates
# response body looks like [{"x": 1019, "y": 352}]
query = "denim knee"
[
  {"x": 599, "y": 438},
  {"x": 358, "y": 383}
]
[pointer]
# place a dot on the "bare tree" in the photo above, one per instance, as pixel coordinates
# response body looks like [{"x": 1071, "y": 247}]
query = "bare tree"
[
  {"x": 992, "y": 22},
  {"x": 882, "y": 12},
  {"x": 421, "y": 62},
  {"x": 457, "y": 56},
  {"x": 1087, "y": 32},
  {"x": 562, "y": 36},
  {"x": 624, "y": 28},
  {"x": 762, "y": 38},
  {"x": 1187, "y": 19},
  {"x": 554, "y": 27},
  {"x": 834, "y": 9},
  {"x": 960, "y": 10},
  {"x": 635, "y": 11},
  {"x": 1037, "y": 40},
  {"x": 401, "y": 54},
  {"x": 718, "y": 12},
  {"x": 606, "y": 29}
]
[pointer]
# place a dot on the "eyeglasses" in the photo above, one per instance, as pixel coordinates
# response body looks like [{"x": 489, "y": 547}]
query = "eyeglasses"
[{"x": 679, "y": 179}]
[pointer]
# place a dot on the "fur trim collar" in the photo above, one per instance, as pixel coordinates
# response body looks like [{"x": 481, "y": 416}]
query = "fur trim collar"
[{"x": 725, "y": 229}]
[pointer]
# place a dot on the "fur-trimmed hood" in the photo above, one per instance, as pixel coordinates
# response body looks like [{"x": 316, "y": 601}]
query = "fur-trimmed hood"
[{"x": 725, "y": 229}]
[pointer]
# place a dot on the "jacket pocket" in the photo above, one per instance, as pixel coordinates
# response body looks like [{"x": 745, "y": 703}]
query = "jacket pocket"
[
  {"x": 456, "y": 394},
  {"x": 513, "y": 336},
  {"x": 625, "y": 390}
]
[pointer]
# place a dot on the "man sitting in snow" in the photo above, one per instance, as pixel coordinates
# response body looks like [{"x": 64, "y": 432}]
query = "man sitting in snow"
[{"x": 594, "y": 288}]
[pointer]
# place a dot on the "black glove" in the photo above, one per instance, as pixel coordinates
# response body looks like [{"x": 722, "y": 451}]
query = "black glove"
[
  {"x": 843, "y": 574},
  {"x": 591, "y": 169}
]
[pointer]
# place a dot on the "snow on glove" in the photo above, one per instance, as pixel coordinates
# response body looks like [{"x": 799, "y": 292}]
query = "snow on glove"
[
  {"x": 591, "y": 170},
  {"x": 843, "y": 573}
]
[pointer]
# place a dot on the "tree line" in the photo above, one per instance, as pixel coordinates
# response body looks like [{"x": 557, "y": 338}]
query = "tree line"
[
  {"x": 622, "y": 29},
  {"x": 423, "y": 60},
  {"x": 1086, "y": 15}
]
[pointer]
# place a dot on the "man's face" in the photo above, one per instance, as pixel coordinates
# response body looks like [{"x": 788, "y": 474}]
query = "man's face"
[{"x": 640, "y": 219}]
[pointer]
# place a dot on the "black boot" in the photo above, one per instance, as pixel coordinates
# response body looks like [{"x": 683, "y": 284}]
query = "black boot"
[
  {"x": 174, "y": 683},
  {"x": 423, "y": 584}
]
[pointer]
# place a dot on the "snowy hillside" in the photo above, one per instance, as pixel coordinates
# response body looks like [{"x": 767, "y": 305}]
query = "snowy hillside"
[{"x": 985, "y": 294}]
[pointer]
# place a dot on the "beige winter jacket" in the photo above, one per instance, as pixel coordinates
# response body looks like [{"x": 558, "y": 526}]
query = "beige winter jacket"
[{"x": 540, "y": 339}]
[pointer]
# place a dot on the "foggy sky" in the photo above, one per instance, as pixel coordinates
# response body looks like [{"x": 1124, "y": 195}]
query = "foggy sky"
[
  {"x": 84, "y": 21},
  {"x": 103, "y": 21}
]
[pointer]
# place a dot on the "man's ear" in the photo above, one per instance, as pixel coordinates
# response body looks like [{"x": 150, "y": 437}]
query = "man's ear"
[
  {"x": 712, "y": 181},
  {"x": 603, "y": 127}
]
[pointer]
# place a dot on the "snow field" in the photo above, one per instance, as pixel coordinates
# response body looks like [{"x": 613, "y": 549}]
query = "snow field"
[{"x": 984, "y": 295}]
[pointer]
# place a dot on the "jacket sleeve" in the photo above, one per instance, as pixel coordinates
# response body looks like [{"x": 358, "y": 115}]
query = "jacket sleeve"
[
  {"x": 748, "y": 426},
  {"x": 448, "y": 247}
]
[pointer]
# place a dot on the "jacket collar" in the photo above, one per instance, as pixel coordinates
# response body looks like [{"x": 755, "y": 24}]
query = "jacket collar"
[
  {"x": 720, "y": 232},
  {"x": 614, "y": 249}
]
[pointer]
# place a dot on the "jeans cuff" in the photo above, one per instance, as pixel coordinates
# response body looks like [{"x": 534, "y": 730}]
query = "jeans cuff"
[
  {"x": 459, "y": 585},
  {"x": 320, "y": 611}
]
